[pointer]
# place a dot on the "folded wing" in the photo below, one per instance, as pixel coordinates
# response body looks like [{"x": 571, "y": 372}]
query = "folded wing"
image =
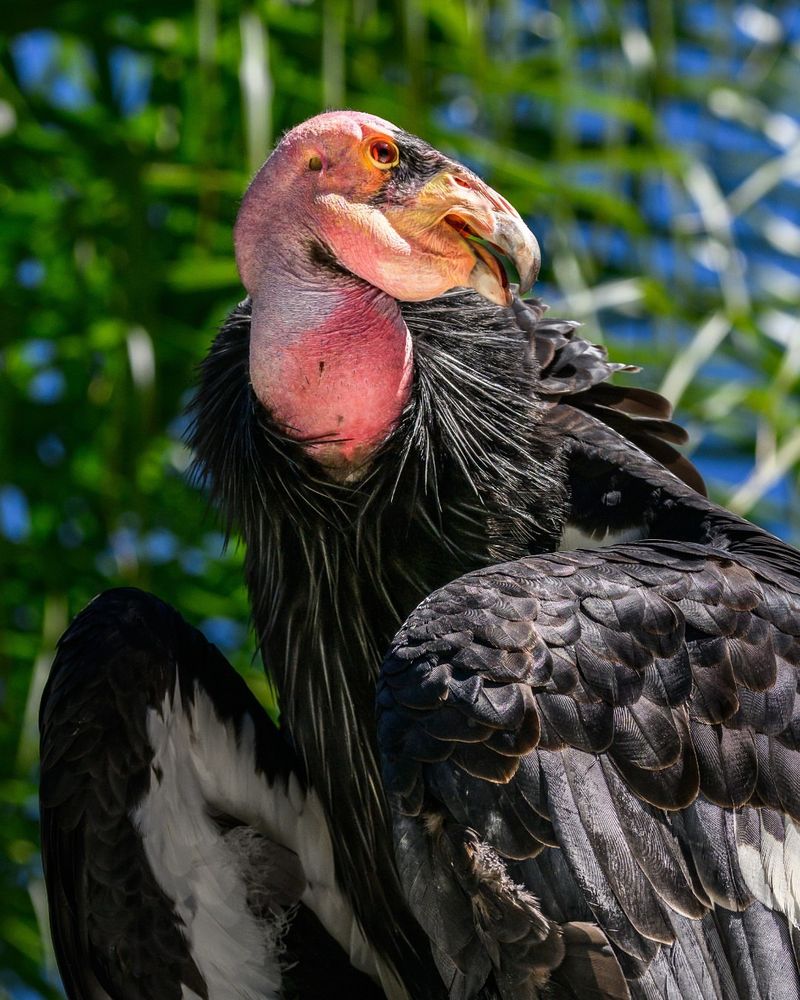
[
  {"x": 592, "y": 761},
  {"x": 183, "y": 856}
]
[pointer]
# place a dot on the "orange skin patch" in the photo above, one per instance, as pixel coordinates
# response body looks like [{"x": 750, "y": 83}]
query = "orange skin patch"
[{"x": 411, "y": 262}]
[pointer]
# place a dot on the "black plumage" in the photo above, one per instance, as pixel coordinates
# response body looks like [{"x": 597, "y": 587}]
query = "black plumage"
[
  {"x": 645, "y": 733},
  {"x": 569, "y": 740},
  {"x": 116, "y": 931},
  {"x": 332, "y": 568},
  {"x": 478, "y": 470},
  {"x": 509, "y": 438}
]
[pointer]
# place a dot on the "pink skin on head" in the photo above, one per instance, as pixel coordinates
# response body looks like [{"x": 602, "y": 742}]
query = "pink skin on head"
[
  {"x": 326, "y": 247},
  {"x": 345, "y": 380},
  {"x": 330, "y": 356}
]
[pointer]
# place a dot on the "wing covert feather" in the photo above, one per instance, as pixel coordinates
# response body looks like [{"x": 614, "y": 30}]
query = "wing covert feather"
[{"x": 620, "y": 707}]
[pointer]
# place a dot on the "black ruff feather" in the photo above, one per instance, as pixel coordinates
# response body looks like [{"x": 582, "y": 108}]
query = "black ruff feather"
[{"x": 474, "y": 473}]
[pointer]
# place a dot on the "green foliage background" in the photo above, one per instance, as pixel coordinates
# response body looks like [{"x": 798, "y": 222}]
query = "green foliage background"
[{"x": 127, "y": 135}]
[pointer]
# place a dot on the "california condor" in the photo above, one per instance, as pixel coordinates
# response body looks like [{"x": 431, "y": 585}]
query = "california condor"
[{"x": 382, "y": 415}]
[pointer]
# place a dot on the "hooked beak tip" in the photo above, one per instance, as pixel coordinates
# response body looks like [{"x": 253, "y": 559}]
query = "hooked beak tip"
[
  {"x": 519, "y": 244},
  {"x": 513, "y": 240},
  {"x": 490, "y": 217}
]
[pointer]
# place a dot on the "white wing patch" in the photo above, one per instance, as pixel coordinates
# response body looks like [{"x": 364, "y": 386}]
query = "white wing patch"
[
  {"x": 205, "y": 768},
  {"x": 237, "y": 955},
  {"x": 771, "y": 867}
]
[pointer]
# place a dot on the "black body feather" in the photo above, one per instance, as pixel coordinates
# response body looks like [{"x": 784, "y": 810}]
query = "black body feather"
[
  {"x": 510, "y": 418},
  {"x": 632, "y": 710},
  {"x": 477, "y": 471}
]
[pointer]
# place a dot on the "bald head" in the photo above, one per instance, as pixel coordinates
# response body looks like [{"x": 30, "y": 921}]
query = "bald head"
[
  {"x": 384, "y": 205},
  {"x": 349, "y": 215}
]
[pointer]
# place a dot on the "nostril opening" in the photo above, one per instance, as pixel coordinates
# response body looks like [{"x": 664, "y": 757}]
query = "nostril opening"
[{"x": 462, "y": 183}]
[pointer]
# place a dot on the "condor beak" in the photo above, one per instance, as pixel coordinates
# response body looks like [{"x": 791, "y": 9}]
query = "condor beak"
[
  {"x": 491, "y": 226},
  {"x": 416, "y": 243},
  {"x": 482, "y": 213}
]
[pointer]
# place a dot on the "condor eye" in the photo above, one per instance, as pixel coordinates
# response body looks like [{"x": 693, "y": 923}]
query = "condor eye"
[{"x": 384, "y": 153}]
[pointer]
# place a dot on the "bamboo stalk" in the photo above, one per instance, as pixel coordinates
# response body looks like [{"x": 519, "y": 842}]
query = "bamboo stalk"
[{"x": 256, "y": 86}]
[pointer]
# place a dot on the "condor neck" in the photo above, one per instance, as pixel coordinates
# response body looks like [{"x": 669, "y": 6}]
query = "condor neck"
[{"x": 331, "y": 359}]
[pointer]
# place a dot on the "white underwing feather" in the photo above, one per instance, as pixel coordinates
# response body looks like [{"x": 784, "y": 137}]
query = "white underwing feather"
[{"x": 206, "y": 768}]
